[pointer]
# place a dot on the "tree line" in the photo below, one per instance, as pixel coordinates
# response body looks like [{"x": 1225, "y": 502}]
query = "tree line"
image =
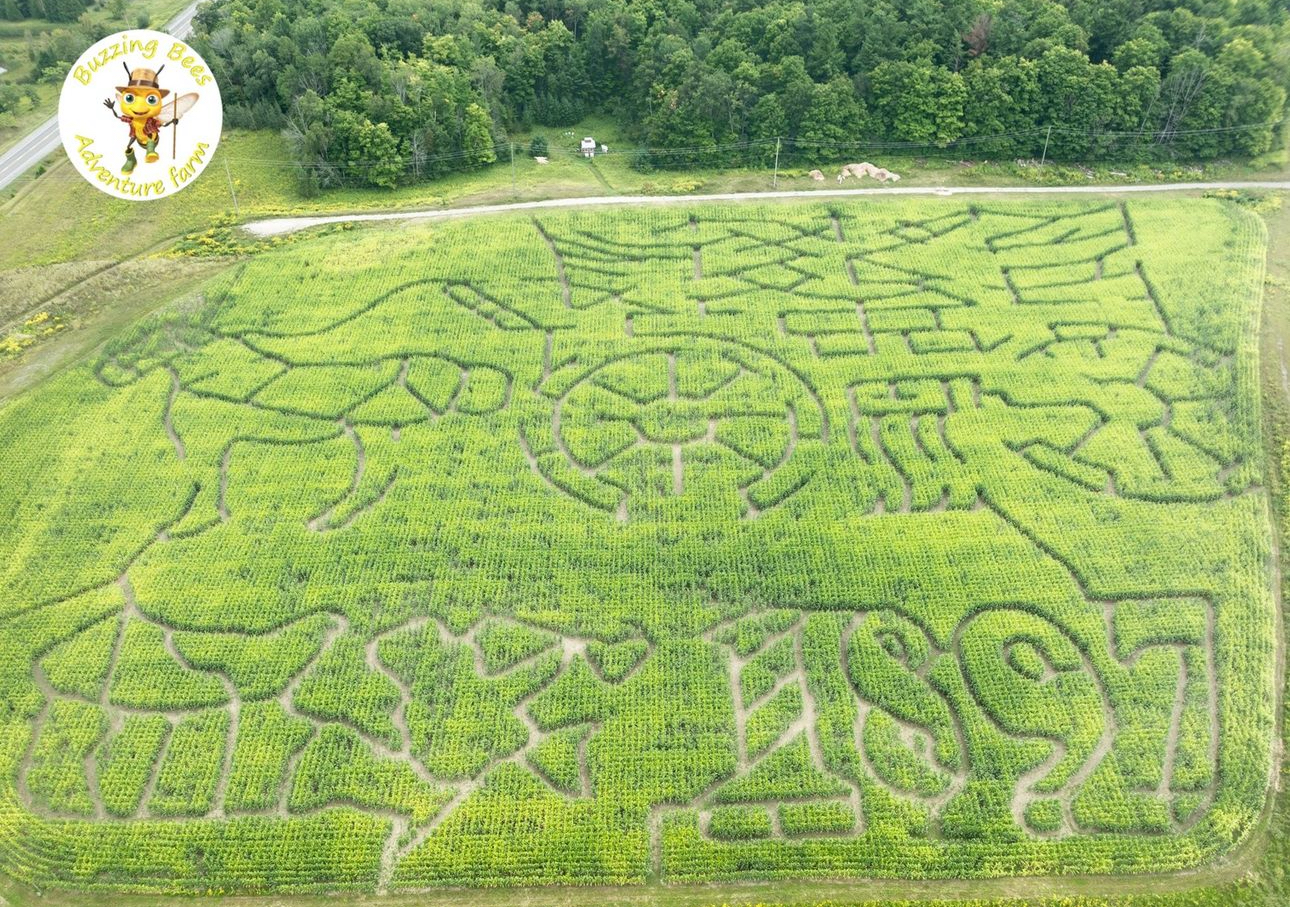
[
  {"x": 377, "y": 92},
  {"x": 51, "y": 10}
]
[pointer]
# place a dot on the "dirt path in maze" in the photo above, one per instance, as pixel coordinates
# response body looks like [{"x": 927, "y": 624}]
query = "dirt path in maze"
[{"x": 1274, "y": 327}]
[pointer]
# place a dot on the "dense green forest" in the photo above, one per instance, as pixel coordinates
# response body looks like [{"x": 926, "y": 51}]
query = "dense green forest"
[
  {"x": 379, "y": 91},
  {"x": 53, "y": 10}
]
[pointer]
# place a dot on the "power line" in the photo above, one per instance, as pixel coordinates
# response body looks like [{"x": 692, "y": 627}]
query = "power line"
[{"x": 1173, "y": 132}]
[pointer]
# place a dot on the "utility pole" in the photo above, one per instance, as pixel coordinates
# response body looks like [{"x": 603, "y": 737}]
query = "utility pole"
[
  {"x": 775, "y": 182},
  {"x": 1044, "y": 157},
  {"x": 231, "y": 190},
  {"x": 514, "y": 192}
]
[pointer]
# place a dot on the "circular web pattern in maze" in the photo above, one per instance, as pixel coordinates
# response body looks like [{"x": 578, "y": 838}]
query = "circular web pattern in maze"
[{"x": 675, "y": 418}]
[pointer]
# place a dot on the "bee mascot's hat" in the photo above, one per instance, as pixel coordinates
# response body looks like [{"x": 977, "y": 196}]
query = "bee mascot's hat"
[{"x": 143, "y": 78}]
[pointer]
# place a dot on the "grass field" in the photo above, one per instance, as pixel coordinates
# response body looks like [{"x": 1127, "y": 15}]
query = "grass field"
[{"x": 904, "y": 540}]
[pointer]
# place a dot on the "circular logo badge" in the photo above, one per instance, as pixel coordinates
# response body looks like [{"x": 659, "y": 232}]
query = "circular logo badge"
[{"x": 140, "y": 115}]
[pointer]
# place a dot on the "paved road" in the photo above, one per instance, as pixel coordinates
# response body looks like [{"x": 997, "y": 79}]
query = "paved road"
[
  {"x": 280, "y": 225},
  {"x": 43, "y": 140}
]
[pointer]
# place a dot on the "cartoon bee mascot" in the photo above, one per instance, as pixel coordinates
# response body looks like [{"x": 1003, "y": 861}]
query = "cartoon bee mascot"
[{"x": 141, "y": 106}]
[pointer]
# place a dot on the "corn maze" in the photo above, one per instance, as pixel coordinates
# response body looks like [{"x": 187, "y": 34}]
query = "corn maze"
[{"x": 889, "y": 540}]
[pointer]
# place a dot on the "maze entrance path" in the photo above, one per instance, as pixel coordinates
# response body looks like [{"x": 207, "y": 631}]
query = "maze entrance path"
[{"x": 899, "y": 540}]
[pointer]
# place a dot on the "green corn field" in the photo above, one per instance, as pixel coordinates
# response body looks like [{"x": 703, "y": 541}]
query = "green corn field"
[{"x": 892, "y": 540}]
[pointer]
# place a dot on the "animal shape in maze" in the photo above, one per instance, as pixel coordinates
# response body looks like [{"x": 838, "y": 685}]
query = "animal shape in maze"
[{"x": 262, "y": 398}]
